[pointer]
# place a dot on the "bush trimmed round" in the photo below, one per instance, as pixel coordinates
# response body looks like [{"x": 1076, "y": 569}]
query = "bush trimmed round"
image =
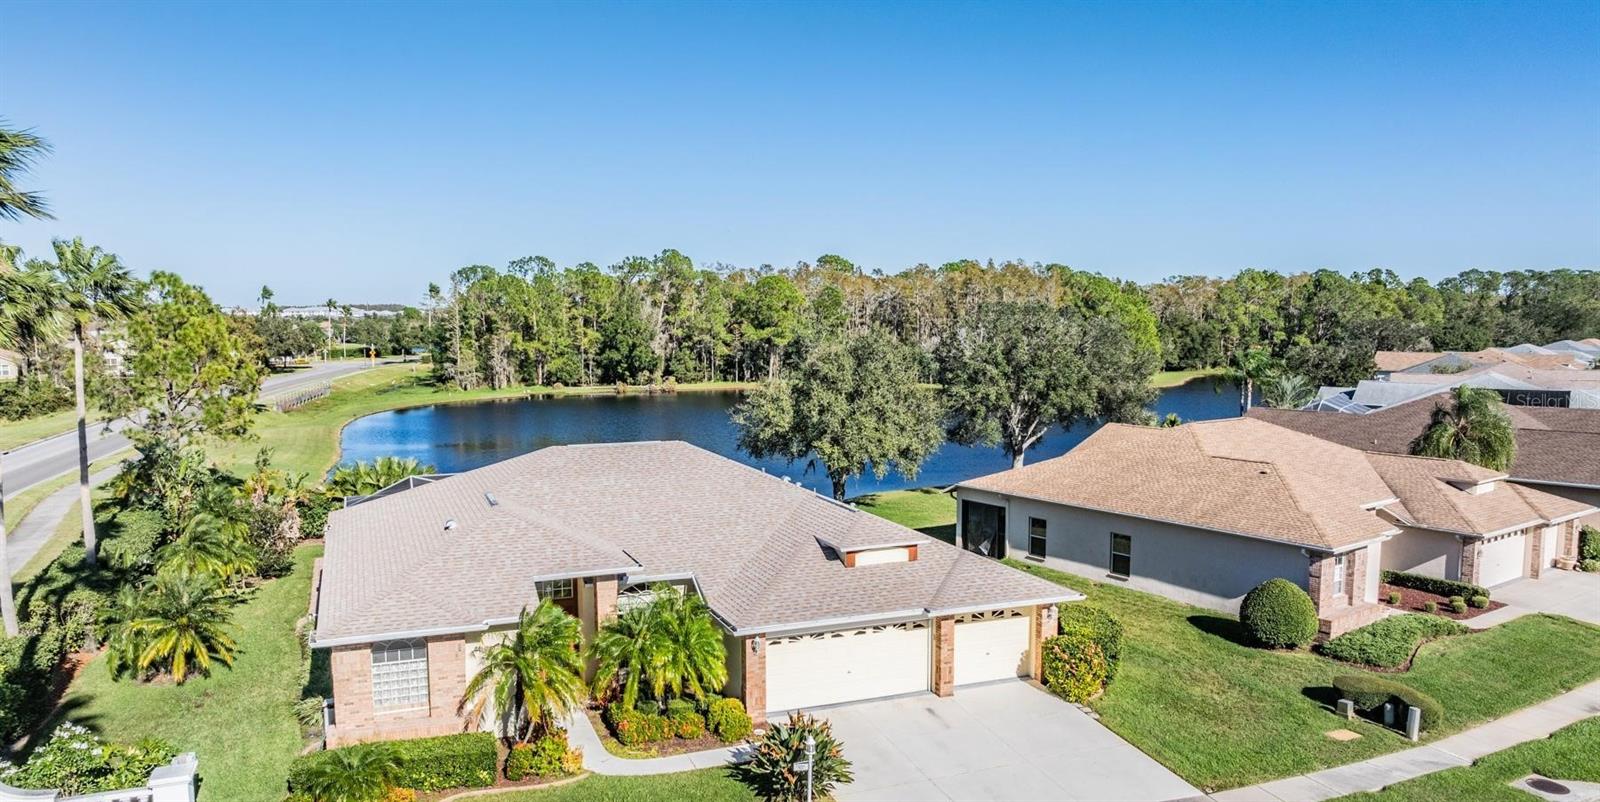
[
  {"x": 727, "y": 720},
  {"x": 1074, "y": 667},
  {"x": 1099, "y": 626},
  {"x": 1279, "y": 614},
  {"x": 1479, "y": 602}
]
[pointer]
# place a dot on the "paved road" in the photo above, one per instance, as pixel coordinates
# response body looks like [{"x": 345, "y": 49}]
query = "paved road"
[{"x": 43, "y": 460}]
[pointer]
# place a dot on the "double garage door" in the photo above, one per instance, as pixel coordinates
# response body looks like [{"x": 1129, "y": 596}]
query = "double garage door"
[{"x": 850, "y": 665}]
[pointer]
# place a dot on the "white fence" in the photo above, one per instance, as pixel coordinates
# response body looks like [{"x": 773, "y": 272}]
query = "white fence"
[{"x": 173, "y": 782}]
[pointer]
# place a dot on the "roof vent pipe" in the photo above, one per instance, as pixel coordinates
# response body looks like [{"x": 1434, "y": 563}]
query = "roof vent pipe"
[
  {"x": 489, "y": 497},
  {"x": 449, "y": 524}
]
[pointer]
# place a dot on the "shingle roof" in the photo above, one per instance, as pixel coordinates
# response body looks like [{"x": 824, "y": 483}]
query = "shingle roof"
[
  {"x": 754, "y": 544},
  {"x": 1553, "y": 444},
  {"x": 1240, "y": 476},
  {"x": 1400, "y": 360},
  {"x": 1246, "y": 476}
]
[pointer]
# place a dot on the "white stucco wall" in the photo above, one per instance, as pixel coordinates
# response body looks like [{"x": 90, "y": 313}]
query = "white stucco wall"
[
  {"x": 1200, "y": 567},
  {"x": 1425, "y": 552}
]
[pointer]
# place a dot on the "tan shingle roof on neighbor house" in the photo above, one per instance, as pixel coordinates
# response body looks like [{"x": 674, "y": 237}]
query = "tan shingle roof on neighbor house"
[
  {"x": 1248, "y": 477},
  {"x": 1239, "y": 476},
  {"x": 753, "y": 543},
  {"x": 1400, "y": 360}
]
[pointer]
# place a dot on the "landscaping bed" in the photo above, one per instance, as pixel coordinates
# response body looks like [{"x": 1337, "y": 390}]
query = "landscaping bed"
[
  {"x": 1390, "y": 644},
  {"x": 662, "y": 748},
  {"x": 1413, "y": 600}
]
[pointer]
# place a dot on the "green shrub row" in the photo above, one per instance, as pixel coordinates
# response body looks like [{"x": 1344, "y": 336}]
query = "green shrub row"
[
  {"x": 1097, "y": 625},
  {"x": 724, "y": 718},
  {"x": 1279, "y": 614},
  {"x": 1389, "y": 642},
  {"x": 1588, "y": 544},
  {"x": 466, "y": 760},
  {"x": 636, "y": 727},
  {"x": 1369, "y": 693},
  {"x": 547, "y": 756},
  {"x": 1433, "y": 584}
]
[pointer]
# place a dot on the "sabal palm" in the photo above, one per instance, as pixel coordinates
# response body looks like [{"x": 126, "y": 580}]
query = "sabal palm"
[
  {"x": 183, "y": 625},
  {"x": 1245, "y": 369},
  {"x": 627, "y": 652},
  {"x": 1287, "y": 391},
  {"x": 1473, "y": 427},
  {"x": 693, "y": 661},
  {"x": 95, "y": 286},
  {"x": 361, "y": 773},
  {"x": 19, "y": 150},
  {"x": 534, "y": 675}
]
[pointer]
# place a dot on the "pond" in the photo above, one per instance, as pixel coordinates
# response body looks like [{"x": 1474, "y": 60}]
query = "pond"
[{"x": 459, "y": 437}]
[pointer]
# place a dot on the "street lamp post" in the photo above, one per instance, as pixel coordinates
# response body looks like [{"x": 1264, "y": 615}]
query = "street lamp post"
[{"x": 811, "y": 761}]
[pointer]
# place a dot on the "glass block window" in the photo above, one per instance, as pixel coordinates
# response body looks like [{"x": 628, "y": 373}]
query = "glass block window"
[{"x": 400, "y": 675}]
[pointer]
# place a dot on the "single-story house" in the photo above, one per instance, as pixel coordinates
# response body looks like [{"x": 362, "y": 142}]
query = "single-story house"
[
  {"x": 1206, "y": 511},
  {"x": 10, "y": 365},
  {"x": 1558, "y": 448},
  {"x": 820, "y": 603}
]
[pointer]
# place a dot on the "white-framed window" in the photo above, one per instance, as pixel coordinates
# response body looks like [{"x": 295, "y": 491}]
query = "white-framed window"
[
  {"x": 556, "y": 590},
  {"x": 1338, "y": 574},
  {"x": 400, "y": 675}
]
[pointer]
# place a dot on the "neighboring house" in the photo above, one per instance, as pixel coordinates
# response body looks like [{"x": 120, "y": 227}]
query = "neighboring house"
[
  {"x": 1558, "y": 450},
  {"x": 10, "y": 365},
  {"x": 820, "y": 603},
  {"x": 1565, "y": 355},
  {"x": 1516, "y": 385},
  {"x": 1206, "y": 511}
]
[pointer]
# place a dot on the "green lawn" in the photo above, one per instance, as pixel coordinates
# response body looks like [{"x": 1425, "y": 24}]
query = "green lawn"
[
  {"x": 1222, "y": 714},
  {"x": 239, "y": 721},
  {"x": 1572, "y": 753},
  {"x": 1173, "y": 378},
  {"x": 21, "y": 432},
  {"x": 924, "y": 509},
  {"x": 706, "y": 785}
]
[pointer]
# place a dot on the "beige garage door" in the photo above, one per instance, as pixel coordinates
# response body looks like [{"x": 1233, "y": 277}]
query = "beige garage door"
[
  {"x": 847, "y": 665},
  {"x": 1503, "y": 560},
  {"x": 991, "y": 645}
]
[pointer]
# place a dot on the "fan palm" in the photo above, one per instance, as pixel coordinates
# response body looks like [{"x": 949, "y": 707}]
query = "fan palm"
[
  {"x": 1285, "y": 390},
  {"x": 626, "y": 652},
  {"x": 532, "y": 676},
  {"x": 361, "y": 773},
  {"x": 1473, "y": 427},
  {"x": 19, "y": 149},
  {"x": 181, "y": 626},
  {"x": 366, "y": 478},
  {"x": 95, "y": 286},
  {"x": 693, "y": 658}
]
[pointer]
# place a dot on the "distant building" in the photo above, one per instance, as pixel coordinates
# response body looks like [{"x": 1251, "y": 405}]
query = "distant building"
[
  {"x": 321, "y": 312},
  {"x": 10, "y": 365},
  {"x": 1555, "y": 375}
]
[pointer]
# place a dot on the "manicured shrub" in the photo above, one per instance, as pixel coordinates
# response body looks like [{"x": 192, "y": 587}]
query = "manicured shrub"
[
  {"x": 1097, "y": 625},
  {"x": 1394, "y": 597},
  {"x": 399, "y": 795},
  {"x": 466, "y": 760},
  {"x": 1433, "y": 584},
  {"x": 1369, "y": 693},
  {"x": 1590, "y": 566},
  {"x": 1458, "y": 605},
  {"x": 1430, "y": 606},
  {"x": 1389, "y": 642},
  {"x": 1279, "y": 614},
  {"x": 547, "y": 756},
  {"x": 637, "y": 728},
  {"x": 687, "y": 723},
  {"x": 1479, "y": 602},
  {"x": 1589, "y": 545},
  {"x": 770, "y": 771},
  {"x": 1075, "y": 667},
  {"x": 727, "y": 720}
]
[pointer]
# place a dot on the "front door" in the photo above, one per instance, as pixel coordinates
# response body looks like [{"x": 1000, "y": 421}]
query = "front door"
[{"x": 983, "y": 528}]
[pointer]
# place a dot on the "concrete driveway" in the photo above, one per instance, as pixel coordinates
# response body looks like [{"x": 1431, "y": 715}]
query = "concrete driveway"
[
  {"x": 1003, "y": 741},
  {"x": 1569, "y": 593}
]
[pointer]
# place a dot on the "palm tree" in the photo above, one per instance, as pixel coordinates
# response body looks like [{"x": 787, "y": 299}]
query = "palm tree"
[
  {"x": 366, "y": 478},
  {"x": 625, "y": 651},
  {"x": 1246, "y": 368},
  {"x": 327, "y": 349},
  {"x": 206, "y": 546},
  {"x": 95, "y": 287},
  {"x": 19, "y": 150},
  {"x": 362, "y": 773},
  {"x": 532, "y": 676},
  {"x": 178, "y": 623},
  {"x": 1473, "y": 427},
  {"x": 1285, "y": 390},
  {"x": 694, "y": 659}
]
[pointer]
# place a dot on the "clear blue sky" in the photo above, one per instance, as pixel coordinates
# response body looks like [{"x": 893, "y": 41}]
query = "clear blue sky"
[{"x": 361, "y": 150}]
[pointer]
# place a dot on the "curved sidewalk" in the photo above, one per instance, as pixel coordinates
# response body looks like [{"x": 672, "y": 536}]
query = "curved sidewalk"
[
  {"x": 1461, "y": 749},
  {"x": 580, "y": 733}
]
